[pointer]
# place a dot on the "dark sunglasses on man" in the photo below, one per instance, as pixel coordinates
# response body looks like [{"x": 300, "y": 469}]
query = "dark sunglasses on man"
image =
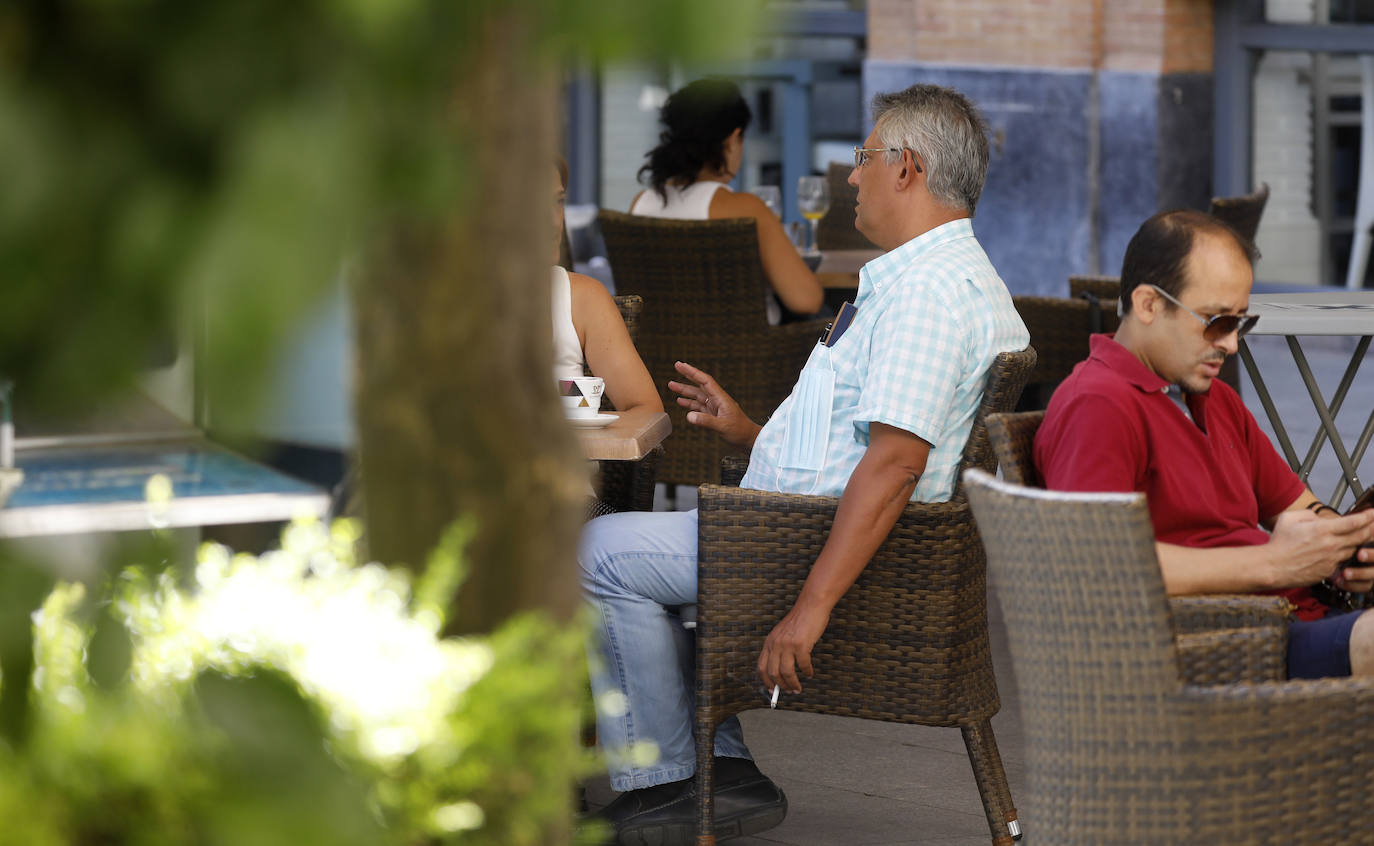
[{"x": 1217, "y": 326}]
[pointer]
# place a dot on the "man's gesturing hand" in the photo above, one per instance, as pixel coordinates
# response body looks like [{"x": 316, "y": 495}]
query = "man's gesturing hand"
[{"x": 709, "y": 407}]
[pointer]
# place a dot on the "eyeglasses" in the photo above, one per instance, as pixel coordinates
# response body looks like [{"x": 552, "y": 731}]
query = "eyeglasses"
[
  {"x": 1217, "y": 326},
  {"x": 861, "y": 155}
]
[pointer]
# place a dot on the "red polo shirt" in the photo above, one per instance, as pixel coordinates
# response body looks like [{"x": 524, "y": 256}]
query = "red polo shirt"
[{"x": 1111, "y": 427}]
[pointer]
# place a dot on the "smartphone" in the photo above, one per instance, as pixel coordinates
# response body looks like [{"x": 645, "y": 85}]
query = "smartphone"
[{"x": 1365, "y": 501}]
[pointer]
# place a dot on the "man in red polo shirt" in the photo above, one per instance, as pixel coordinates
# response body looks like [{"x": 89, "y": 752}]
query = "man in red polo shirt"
[{"x": 1146, "y": 413}]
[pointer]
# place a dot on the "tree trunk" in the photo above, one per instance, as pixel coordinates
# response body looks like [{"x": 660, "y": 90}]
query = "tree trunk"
[{"x": 456, "y": 405}]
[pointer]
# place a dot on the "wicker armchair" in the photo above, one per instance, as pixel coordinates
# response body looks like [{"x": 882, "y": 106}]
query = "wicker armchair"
[
  {"x": 1012, "y": 437},
  {"x": 1104, "y": 288},
  {"x": 1059, "y": 330},
  {"x": 835, "y": 231},
  {"x": 626, "y": 485},
  {"x": 1243, "y": 213},
  {"x": 908, "y": 643},
  {"x": 1120, "y": 748},
  {"x": 1101, "y": 293},
  {"x": 707, "y": 289}
]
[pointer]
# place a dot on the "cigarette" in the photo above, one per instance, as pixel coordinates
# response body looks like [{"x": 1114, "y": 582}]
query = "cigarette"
[{"x": 773, "y": 703}]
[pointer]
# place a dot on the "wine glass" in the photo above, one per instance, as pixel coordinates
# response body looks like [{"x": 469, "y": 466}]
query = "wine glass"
[
  {"x": 813, "y": 200},
  {"x": 772, "y": 198}
]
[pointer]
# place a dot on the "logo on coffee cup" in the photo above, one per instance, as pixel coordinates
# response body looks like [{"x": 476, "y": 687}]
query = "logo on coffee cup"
[{"x": 581, "y": 397}]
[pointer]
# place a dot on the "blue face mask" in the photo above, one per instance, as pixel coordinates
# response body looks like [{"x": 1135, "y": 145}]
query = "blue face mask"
[{"x": 808, "y": 420}]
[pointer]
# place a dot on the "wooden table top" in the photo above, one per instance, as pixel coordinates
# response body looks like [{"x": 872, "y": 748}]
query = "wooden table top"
[
  {"x": 629, "y": 438},
  {"x": 840, "y": 268}
]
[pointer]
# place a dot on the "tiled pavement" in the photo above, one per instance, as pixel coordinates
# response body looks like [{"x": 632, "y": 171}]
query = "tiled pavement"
[{"x": 859, "y": 783}]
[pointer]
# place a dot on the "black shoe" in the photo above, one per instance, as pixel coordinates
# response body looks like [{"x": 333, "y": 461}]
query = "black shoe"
[{"x": 746, "y": 802}]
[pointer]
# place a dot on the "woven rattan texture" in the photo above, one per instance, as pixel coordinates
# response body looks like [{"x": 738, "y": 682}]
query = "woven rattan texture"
[
  {"x": 835, "y": 231},
  {"x": 1059, "y": 330},
  {"x": 1012, "y": 437},
  {"x": 1229, "y": 611},
  {"x": 1243, "y": 213},
  {"x": 908, "y": 642},
  {"x": 1105, "y": 288},
  {"x": 1119, "y": 749},
  {"x": 1227, "y": 656},
  {"x": 704, "y": 291}
]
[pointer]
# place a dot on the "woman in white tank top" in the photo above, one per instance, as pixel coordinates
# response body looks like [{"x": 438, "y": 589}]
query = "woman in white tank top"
[
  {"x": 587, "y": 327},
  {"x": 698, "y": 154}
]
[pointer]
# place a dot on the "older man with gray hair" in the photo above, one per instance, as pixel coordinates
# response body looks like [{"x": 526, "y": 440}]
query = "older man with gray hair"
[{"x": 879, "y": 417}]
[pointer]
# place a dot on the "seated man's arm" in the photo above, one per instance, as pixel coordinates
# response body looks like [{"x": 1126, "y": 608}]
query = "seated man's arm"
[
  {"x": 873, "y": 499},
  {"x": 1303, "y": 549}
]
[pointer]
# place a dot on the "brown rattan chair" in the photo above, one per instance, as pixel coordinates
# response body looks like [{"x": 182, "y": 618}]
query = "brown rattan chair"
[
  {"x": 707, "y": 290},
  {"x": 626, "y": 485},
  {"x": 1059, "y": 330},
  {"x": 1120, "y": 747},
  {"x": 1243, "y": 213},
  {"x": 1104, "y": 288},
  {"x": 835, "y": 231},
  {"x": 908, "y": 643},
  {"x": 1012, "y": 437}
]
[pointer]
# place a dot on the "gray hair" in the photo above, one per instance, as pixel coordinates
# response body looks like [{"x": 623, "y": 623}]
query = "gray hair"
[{"x": 944, "y": 129}]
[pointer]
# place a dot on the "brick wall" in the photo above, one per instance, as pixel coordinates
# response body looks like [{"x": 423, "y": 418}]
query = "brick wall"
[{"x": 1161, "y": 36}]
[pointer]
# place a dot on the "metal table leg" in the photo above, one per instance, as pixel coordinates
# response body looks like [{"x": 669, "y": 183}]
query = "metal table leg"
[
  {"x": 1337, "y": 401},
  {"x": 1329, "y": 424},
  {"x": 1265, "y": 400}
]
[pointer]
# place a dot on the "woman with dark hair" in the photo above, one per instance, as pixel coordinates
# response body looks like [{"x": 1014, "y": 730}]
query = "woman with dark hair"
[
  {"x": 587, "y": 327},
  {"x": 699, "y": 152}
]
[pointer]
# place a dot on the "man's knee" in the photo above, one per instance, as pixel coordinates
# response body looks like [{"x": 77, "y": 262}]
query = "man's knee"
[
  {"x": 598, "y": 542},
  {"x": 1362, "y": 645}
]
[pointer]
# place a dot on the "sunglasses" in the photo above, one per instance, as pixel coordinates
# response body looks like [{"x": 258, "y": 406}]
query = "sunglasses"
[{"x": 1217, "y": 326}]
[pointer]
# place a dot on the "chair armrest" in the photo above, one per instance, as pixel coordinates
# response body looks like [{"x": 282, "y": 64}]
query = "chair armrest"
[
  {"x": 1228, "y": 611},
  {"x": 732, "y": 470},
  {"x": 912, "y": 629},
  {"x": 1234, "y": 655}
]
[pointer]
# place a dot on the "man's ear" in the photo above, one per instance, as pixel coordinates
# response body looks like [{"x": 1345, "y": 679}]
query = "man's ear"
[
  {"x": 907, "y": 175},
  {"x": 1145, "y": 303}
]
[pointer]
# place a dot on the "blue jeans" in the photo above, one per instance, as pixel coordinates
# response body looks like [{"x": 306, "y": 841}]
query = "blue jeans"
[{"x": 634, "y": 566}]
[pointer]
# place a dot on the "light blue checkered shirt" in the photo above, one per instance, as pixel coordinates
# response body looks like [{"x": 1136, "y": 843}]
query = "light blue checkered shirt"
[{"x": 932, "y": 315}]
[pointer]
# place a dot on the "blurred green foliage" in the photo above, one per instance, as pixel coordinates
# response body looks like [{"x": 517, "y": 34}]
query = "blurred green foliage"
[
  {"x": 163, "y": 160},
  {"x": 209, "y": 166},
  {"x": 272, "y": 732}
]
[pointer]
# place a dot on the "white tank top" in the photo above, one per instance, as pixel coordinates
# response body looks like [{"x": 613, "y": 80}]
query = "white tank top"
[
  {"x": 567, "y": 349},
  {"x": 690, "y": 203}
]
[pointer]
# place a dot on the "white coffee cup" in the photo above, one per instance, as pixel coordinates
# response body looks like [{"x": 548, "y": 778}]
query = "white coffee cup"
[{"x": 581, "y": 396}]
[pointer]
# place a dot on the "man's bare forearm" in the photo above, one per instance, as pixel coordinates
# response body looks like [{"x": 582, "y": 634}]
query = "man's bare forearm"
[{"x": 873, "y": 500}]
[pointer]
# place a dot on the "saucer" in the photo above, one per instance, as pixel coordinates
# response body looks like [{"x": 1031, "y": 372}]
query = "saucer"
[{"x": 599, "y": 421}]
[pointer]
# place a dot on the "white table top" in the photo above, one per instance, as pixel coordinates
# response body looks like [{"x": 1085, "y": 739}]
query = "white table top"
[{"x": 1322, "y": 313}]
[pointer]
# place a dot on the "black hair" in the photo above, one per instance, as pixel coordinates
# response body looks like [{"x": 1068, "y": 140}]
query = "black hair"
[
  {"x": 696, "y": 121},
  {"x": 1158, "y": 252}
]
